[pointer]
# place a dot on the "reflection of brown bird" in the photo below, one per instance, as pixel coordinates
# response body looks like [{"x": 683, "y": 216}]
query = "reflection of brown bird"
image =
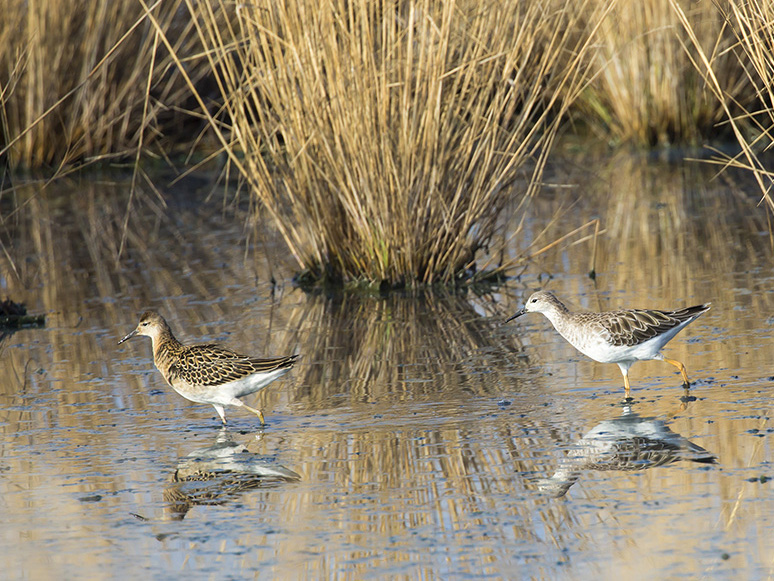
[
  {"x": 208, "y": 373},
  {"x": 623, "y": 337},
  {"x": 627, "y": 444},
  {"x": 218, "y": 473}
]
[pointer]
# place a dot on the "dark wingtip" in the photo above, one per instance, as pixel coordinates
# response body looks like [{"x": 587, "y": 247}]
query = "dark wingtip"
[
  {"x": 290, "y": 360},
  {"x": 694, "y": 311}
]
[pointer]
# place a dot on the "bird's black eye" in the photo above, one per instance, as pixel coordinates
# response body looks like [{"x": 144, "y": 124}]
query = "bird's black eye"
[{"x": 533, "y": 300}]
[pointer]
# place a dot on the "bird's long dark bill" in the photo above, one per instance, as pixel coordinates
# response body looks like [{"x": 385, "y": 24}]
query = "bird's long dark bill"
[
  {"x": 518, "y": 314},
  {"x": 129, "y": 336}
]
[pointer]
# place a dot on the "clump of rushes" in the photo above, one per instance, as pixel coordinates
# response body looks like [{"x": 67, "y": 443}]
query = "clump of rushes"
[
  {"x": 648, "y": 92},
  {"x": 753, "y": 24},
  {"x": 84, "y": 79},
  {"x": 384, "y": 137}
]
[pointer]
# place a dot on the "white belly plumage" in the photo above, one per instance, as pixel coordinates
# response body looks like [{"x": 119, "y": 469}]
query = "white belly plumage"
[{"x": 227, "y": 392}]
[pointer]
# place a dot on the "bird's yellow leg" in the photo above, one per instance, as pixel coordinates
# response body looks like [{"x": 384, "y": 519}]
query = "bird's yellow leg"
[
  {"x": 626, "y": 386},
  {"x": 681, "y": 367},
  {"x": 258, "y": 413}
]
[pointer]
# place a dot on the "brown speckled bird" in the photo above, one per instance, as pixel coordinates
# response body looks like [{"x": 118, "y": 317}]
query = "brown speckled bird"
[{"x": 208, "y": 373}]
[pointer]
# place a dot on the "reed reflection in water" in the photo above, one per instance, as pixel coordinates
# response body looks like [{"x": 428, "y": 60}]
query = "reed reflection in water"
[{"x": 424, "y": 346}]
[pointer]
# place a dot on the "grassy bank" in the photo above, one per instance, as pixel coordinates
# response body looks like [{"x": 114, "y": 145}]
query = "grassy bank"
[
  {"x": 752, "y": 24},
  {"x": 384, "y": 138}
]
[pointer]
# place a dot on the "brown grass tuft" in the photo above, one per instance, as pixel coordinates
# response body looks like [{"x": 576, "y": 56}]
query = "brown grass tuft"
[
  {"x": 648, "y": 91},
  {"x": 752, "y": 22},
  {"x": 83, "y": 79},
  {"x": 384, "y": 137}
]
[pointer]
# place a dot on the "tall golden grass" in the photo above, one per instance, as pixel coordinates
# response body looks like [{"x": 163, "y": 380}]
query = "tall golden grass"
[
  {"x": 648, "y": 91},
  {"x": 88, "y": 79},
  {"x": 85, "y": 79},
  {"x": 384, "y": 137},
  {"x": 752, "y": 23}
]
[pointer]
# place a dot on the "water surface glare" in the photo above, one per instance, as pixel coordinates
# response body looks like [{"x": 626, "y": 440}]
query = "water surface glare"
[{"x": 417, "y": 437}]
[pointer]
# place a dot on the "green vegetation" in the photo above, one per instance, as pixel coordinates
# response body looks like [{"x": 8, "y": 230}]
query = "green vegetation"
[{"x": 384, "y": 138}]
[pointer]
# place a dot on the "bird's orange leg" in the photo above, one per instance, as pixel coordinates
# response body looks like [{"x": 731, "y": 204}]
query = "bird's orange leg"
[
  {"x": 258, "y": 413},
  {"x": 681, "y": 367},
  {"x": 626, "y": 386}
]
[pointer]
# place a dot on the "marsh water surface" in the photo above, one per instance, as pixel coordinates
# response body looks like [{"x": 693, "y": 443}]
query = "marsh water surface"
[{"x": 418, "y": 437}]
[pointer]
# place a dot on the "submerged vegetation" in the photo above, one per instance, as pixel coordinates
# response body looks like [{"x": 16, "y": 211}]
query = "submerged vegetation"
[{"x": 384, "y": 138}]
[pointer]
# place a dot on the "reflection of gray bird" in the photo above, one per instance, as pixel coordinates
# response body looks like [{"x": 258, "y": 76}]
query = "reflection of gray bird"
[
  {"x": 627, "y": 443},
  {"x": 217, "y": 473}
]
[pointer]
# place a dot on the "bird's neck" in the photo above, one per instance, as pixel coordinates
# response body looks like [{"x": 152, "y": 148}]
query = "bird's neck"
[
  {"x": 164, "y": 340},
  {"x": 556, "y": 313}
]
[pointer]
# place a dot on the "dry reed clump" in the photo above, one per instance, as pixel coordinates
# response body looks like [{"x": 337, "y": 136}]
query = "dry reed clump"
[
  {"x": 752, "y": 24},
  {"x": 648, "y": 91},
  {"x": 85, "y": 79},
  {"x": 384, "y": 136}
]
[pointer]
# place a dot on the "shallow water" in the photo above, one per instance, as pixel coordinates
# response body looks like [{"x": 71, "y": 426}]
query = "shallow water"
[{"x": 422, "y": 430}]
